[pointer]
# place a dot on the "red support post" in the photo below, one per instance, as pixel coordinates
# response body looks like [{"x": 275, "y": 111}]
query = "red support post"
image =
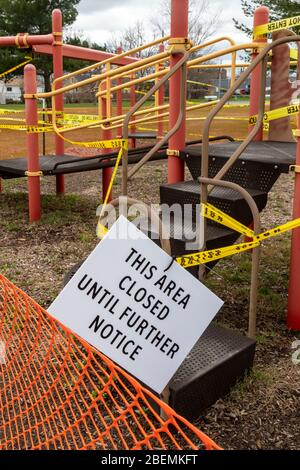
[
  {"x": 32, "y": 140},
  {"x": 261, "y": 16},
  {"x": 119, "y": 99},
  {"x": 179, "y": 29},
  {"x": 59, "y": 99},
  {"x": 294, "y": 286}
]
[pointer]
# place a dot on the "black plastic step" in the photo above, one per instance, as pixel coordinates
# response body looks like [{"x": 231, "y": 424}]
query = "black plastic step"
[
  {"x": 187, "y": 195},
  {"x": 259, "y": 167},
  {"x": 218, "y": 360}
]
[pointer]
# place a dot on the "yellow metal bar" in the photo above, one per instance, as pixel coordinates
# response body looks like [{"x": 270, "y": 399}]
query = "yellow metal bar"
[
  {"x": 108, "y": 93},
  {"x": 191, "y": 63},
  {"x": 120, "y": 56},
  {"x": 234, "y": 55},
  {"x": 229, "y": 50},
  {"x": 137, "y": 69},
  {"x": 138, "y": 80},
  {"x": 219, "y": 66},
  {"x": 213, "y": 41},
  {"x": 150, "y": 60},
  {"x": 102, "y": 76}
]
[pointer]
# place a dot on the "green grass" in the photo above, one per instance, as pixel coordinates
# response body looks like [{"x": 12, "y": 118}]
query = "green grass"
[{"x": 251, "y": 381}]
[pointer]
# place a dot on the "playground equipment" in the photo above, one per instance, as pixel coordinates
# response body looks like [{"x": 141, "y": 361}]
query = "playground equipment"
[{"x": 235, "y": 177}]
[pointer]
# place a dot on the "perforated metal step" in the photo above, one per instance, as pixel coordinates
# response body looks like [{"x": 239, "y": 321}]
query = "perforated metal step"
[
  {"x": 218, "y": 360},
  {"x": 258, "y": 168},
  {"x": 188, "y": 193}
]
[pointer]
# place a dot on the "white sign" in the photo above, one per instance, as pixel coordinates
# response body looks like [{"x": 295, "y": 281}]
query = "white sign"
[{"x": 123, "y": 302}]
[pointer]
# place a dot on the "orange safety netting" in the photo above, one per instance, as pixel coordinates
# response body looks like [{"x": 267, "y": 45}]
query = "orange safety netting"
[{"x": 58, "y": 392}]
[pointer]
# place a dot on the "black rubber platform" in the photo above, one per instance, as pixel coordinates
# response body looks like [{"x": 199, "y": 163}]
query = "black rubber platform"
[
  {"x": 218, "y": 360},
  {"x": 65, "y": 164},
  {"x": 280, "y": 154}
]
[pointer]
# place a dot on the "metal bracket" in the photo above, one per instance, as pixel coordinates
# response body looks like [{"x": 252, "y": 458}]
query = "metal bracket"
[
  {"x": 24, "y": 37},
  {"x": 28, "y": 96},
  {"x": 57, "y": 35},
  {"x": 179, "y": 45},
  {"x": 33, "y": 173},
  {"x": 295, "y": 168},
  {"x": 173, "y": 153},
  {"x": 258, "y": 49}
]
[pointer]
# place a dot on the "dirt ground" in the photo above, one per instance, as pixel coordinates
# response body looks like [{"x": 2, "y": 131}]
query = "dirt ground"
[{"x": 261, "y": 412}]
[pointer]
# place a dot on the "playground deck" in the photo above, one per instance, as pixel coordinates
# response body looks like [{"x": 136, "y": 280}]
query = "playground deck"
[{"x": 280, "y": 154}]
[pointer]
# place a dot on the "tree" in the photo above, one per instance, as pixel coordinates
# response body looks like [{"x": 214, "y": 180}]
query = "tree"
[
  {"x": 202, "y": 24},
  {"x": 133, "y": 37},
  {"x": 33, "y": 17},
  {"x": 279, "y": 9}
]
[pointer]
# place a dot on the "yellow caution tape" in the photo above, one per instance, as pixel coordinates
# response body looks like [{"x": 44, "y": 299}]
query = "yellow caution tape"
[
  {"x": 137, "y": 91},
  {"x": 205, "y": 84},
  {"x": 204, "y": 257},
  {"x": 285, "y": 23},
  {"x": 294, "y": 54},
  {"x": 79, "y": 117},
  {"x": 11, "y": 111},
  {"x": 3, "y": 74},
  {"x": 29, "y": 129},
  {"x": 277, "y": 114},
  {"x": 101, "y": 229},
  {"x": 101, "y": 144},
  {"x": 212, "y": 213}
]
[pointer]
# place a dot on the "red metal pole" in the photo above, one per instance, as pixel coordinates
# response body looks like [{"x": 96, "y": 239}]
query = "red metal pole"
[
  {"x": 179, "y": 29},
  {"x": 106, "y": 135},
  {"x": 294, "y": 286},
  {"x": 261, "y": 16},
  {"x": 59, "y": 99},
  {"x": 33, "y": 164},
  {"x": 119, "y": 99}
]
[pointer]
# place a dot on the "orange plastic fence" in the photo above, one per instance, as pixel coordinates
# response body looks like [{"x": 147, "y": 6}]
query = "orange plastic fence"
[{"x": 57, "y": 392}]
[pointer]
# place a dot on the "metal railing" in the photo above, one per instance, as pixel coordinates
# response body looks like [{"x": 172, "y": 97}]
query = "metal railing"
[{"x": 207, "y": 184}]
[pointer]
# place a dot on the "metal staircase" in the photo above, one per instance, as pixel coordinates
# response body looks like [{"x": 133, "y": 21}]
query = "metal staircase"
[
  {"x": 257, "y": 171},
  {"x": 221, "y": 356}
]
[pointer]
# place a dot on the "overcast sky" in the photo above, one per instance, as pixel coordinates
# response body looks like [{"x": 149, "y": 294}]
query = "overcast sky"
[{"x": 99, "y": 19}]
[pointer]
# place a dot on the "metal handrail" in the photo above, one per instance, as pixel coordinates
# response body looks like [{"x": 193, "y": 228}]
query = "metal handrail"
[
  {"x": 255, "y": 252},
  {"x": 262, "y": 57},
  {"x": 207, "y": 184}
]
